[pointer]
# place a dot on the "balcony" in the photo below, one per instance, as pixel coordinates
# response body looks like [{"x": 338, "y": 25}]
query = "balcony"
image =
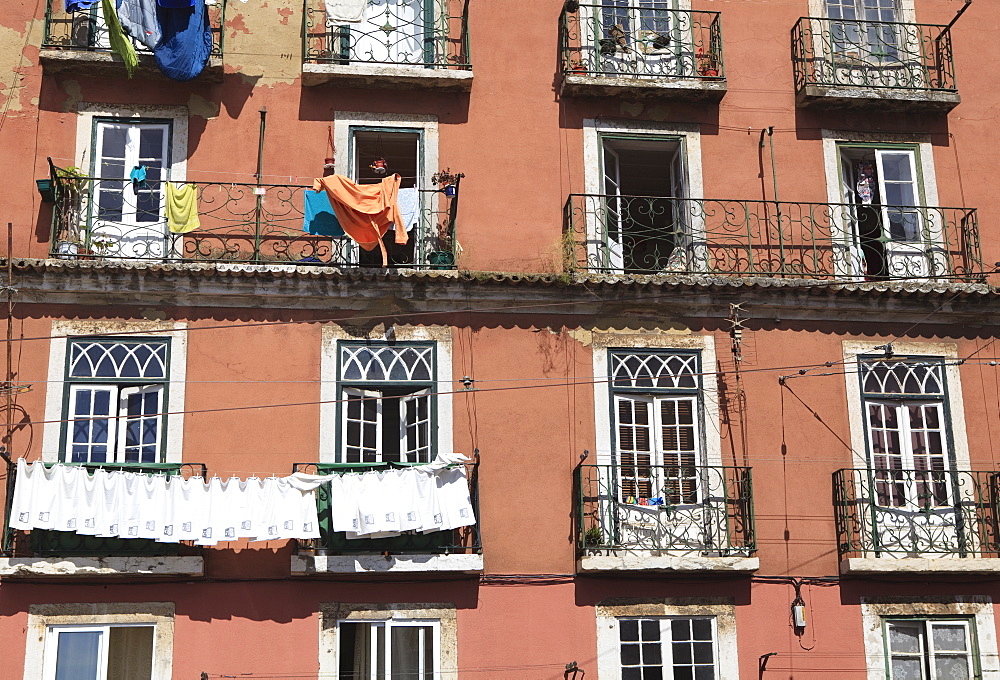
[
  {"x": 885, "y": 65},
  {"x": 65, "y": 554},
  {"x": 457, "y": 551},
  {"x": 689, "y": 519},
  {"x": 656, "y": 235},
  {"x": 917, "y": 521},
  {"x": 241, "y": 224},
  {"x": 397, "y": 44},
  {"x": 648, "y": 51},
  {"x": 77, "y": 43}
]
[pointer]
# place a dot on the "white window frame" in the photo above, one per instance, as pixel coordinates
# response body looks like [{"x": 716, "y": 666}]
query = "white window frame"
[
  {"x": 330, "y": 437},
  {"x": 443, "y": 616},
  {"x": 722, "y": 610},
  {"x": 52, "y": 644},
  {"x": 907, "y": 11},
  {"x": 927, "y": 653},
  {"x": 874, "y": 611},
  {"x": 173, "y": 428},
  {"x": 391, "y": 623},
  {"x": 177, "y": 115},
  {"x": 667, "y": 642},
  {"x": 42, "y": 618}
]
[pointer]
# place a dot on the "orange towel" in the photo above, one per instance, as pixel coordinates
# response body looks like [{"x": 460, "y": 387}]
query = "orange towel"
[{"x": 365, "y": 211}]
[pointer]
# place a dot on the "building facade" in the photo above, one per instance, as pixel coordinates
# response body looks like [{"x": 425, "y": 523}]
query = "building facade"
[{"x": 703, "y": 289}]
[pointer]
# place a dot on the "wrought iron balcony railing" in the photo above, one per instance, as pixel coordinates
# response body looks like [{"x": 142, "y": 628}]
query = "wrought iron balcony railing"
[
  {"x": 882, "y": 55},
  {"x": 465, "y": 540},
  {"x": 656, "y": 235},
  {"x": 104, "y": 218},
  {"x": 419, "y": 33},
  {"x": 46, "y": 543},
  {"x": 651, "y": 41},
  {"x": 917, "y": 513},
  {"x": 694, "y": 510},
  {"x": 87, "y": 30}
]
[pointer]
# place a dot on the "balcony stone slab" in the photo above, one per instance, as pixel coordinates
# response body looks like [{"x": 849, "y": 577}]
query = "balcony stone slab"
[
  {"x": 884, "y": 99},
  {"x": 88, "y": 567},
  {"x": 306, "y": 565},
  {"x": 676, "y": 89},
  {"x": 898, "y": 566},
  {"x": 652, "y": 561},
  {"x": 108, "y": 65},
  {"x": 387, "y": 76}
]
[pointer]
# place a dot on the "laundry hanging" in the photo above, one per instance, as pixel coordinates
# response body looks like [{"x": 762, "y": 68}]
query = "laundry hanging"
[
  {"x": 170, "y": 508},
  {"x": 409, "y": 207},
  {"x": 182, "y": 208},
  {"x": 139, "y": 20},
  {"x": 120, "y": 44},
  {"x": 366, "y": 212},
  {"x": 319, "y": 218},
  {"x": 345, "y": 11},
  {"x": 80, "y": 5},
  {"x": 186, "y": 45}
]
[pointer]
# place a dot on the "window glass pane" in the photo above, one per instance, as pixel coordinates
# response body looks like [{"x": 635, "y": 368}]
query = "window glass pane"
[
  {"x": 905, "y": 637},
  {"x": 130, "y": 653},
  {"x": 91, "y": 429},
  {"x": 113, "y": 140},
  {"x": 907, "y": 669},
  {"x": 406, "y": 652},
  {"x": 356, "y": 651},
  {"x": 630, "y": 655},
  {"x": 951, "y": 668},
  {"x": 948, "y": 637},
  {"x": 896, "y": 167},
  {"x": 628, "y": 630},
  {"x": 78, "y": 655},
  {"x": 702, "y": 629}
]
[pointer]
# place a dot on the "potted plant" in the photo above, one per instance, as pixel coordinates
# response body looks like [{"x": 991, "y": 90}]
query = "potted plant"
[
  {"x": 577, "y": 66},
  {"x": 708, "y": 67},
  {"x": 448, "y": 182},
  {"x": 70, "y": 192}
]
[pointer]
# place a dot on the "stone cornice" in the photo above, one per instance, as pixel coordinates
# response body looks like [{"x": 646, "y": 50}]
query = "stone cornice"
[{"x": 306, "y": 287}]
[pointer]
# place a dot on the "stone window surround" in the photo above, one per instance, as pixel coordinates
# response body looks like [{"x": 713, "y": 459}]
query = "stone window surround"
[
  {"x": 690, "y": 136},
  {"x": 178, "y": 115},
  {"x": 159, "y": 614},
  {"x": 603, "y": 341},
  {"x": 440, "y": 335},
  {"x": 953, "y": 380},
  {"x": 330, "y": 613},
  {"x": 979, "y": 608},
  {"x": 722, "y": 609},
  {"x": 343, "y": 121},
  {"x": 177, "y": 372}
]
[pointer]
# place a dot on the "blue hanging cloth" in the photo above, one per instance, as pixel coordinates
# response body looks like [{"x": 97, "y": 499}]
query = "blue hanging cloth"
[
  {"x": 80, "y": 5},
  {"x": 186, "y": 45},
  {"x": 176, "y": 3},
  {"x": 320, "y": 220}
]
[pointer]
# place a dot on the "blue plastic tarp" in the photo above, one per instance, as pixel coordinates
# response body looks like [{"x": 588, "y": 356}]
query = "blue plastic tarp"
[{"x": 186, "y": 44}]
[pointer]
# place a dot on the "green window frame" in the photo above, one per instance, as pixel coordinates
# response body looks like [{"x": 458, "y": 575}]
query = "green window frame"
[
  {"x": 387, "y": 402},
  {"x": 115, "y": 394}
]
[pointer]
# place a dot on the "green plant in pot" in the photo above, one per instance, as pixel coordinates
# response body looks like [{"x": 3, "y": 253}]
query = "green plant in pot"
[{"x": 71, "y": 192}]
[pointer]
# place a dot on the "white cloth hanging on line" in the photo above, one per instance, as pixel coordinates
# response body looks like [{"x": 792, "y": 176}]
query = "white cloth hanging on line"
[
  {"x": 345, "y": 11},
  {"x": 165, "y": 508},
  {"x": 170, "y": 508}
]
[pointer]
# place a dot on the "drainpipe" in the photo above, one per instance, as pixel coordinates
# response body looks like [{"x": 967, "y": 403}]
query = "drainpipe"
[{"x": 259, "y": 190}]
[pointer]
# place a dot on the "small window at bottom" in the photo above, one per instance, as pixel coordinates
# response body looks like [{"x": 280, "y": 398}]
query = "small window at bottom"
[{"x": 100, "y": 652}]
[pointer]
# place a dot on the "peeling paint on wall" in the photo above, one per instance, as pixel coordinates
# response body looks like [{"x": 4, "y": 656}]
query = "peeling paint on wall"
[
  {"x": 13, "y": 60},
  {"x": 74, "y": 95},
  {"x": 199, "y": 106},
  {"x": 258, "y": 44}
]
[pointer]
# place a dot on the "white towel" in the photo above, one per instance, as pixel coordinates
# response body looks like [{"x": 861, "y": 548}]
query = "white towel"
[
  {"x": 408, "y": 201},
  {"x": 345, "y": 11}
]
